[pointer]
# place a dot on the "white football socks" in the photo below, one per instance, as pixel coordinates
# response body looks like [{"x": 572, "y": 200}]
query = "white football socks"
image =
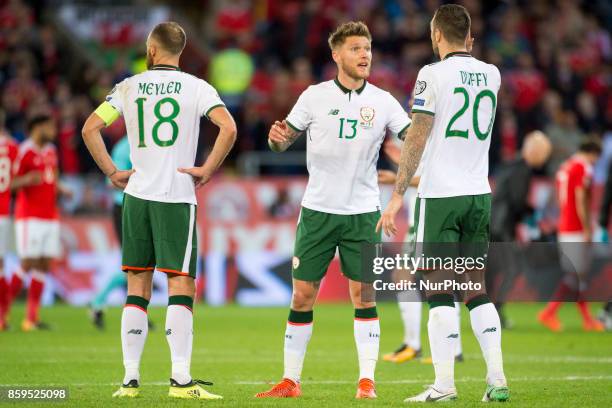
[
  {"x": 411, "y": 310},
  {"x": 443, "y": 334},
  {"x": 179, "y": 333},
  {"x": 458, "y": 348},
  {"x": 366, "y": 328},
  {"x": 487, "y": 329},
  {"x": 134, "y": 330},
  {"x": 297, "y": 336}
]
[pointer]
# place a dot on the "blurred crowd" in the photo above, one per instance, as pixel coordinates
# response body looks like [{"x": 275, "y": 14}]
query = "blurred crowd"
[
  {"x": 261, "y": 54},
  {"x": 554, "y": 57}
]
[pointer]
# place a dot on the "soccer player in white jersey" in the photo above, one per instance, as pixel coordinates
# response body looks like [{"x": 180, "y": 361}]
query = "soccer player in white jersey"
[
  {"x": 453, "y": 114},
  {"x": 162, "y": 108},
  {"x": 345, "y": 121}
]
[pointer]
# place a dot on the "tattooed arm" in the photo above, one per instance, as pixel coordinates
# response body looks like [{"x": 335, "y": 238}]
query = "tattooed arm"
[
  {"x": 412, "y": 150},
  {"x": 416, "y": 137},
  {"x": 281, "y": 136}
]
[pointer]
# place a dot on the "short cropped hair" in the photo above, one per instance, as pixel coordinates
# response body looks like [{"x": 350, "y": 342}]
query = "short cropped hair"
[
  {"x": 36, "y": 120},
  {"x": 350, "y": 29},
  {"x": 590, "y": 144},
  {"x": 454, "y": 22},
  {"x": 170, "y": 36}
]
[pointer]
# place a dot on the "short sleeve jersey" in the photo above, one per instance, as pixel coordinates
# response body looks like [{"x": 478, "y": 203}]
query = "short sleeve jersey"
[
  {"x": 39, "y": 200},
  {"x": 344, "y": 131},
  {"x": 461, "y": 93},
  {"x": 574, "y": 173},
  {"x": 8, "y": 154},
  {"x": 162, "y": 108}
]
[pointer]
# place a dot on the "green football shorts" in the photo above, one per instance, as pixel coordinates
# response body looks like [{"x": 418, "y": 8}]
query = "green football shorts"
[
  {"x": 159, "y": 236},
  {"x": 319, "y": 234},
  {"x": 453, "y": 226}
]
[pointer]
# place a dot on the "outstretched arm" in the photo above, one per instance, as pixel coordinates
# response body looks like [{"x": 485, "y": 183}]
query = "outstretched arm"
[{"x": 412, "y": 151}]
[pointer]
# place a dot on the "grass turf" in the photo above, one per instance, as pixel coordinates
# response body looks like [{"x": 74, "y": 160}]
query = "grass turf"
[{"x": 240, "y": 349}]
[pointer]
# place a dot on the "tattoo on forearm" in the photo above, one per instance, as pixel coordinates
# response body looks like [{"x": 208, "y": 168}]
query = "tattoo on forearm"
[
  {"x": 412, "y": 150},
  {"x": 291, "y": 138}
]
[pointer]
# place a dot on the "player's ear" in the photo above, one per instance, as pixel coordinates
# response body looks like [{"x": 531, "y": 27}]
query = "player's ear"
[{"x": 437, "y": 35}]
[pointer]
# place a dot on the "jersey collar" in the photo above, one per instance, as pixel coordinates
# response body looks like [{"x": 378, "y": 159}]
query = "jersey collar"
[
  {"x": 346, "y": 90},
  {"x": 458, "y": 54},
  {"x": 164, "y": 67}
]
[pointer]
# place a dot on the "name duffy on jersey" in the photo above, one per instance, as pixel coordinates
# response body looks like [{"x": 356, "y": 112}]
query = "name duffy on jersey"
[{"x": 460, "y": 92}]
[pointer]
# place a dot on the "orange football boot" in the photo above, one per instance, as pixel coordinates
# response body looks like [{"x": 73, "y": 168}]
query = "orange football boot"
[
  {"x": 285, "y": 389},
  {"x": 592, "y": 325},
  {"x": 365, "y": 389},
  {"x": 550, "y": 321}
]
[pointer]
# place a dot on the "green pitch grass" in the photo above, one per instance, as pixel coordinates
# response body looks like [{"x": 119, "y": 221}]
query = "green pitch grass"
[{"x": 240, "y": 350}]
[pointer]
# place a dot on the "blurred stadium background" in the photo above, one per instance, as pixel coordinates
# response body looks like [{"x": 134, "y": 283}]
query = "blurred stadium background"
[{"x": 64, "y": 57}]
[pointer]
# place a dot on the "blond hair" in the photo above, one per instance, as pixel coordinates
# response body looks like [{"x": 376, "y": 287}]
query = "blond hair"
[{"x": 350, "y": 29}]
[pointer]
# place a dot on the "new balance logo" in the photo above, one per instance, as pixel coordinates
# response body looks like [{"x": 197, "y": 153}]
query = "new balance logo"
[
  {"x": 168, "y": 332},
  {"x": 490, "y": 330},
  {"x": 453, "y": 336},
  {"x": 374, "y": 335},
  {"x": 334, "y": 112},
  {"x": 135, "y": 331}
]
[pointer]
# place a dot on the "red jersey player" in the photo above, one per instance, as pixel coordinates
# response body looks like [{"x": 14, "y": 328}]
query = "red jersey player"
[
  {"x": 573, "y": 184},
  {"x": 36, "y": 212},
  {"x": 8, "y": 153}
]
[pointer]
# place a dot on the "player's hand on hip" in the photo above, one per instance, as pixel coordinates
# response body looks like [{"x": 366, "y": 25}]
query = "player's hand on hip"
[
  {"x": 387, "y": 220},
  {"x": 278, "y": 132},
  {"x": 386, "y": 177},
  {"x": 200, "y": 176},
  {"x": 120, "y": 178}
]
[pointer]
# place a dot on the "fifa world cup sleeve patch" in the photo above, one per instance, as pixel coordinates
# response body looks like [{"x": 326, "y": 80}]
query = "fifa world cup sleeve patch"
[{"x": 107, "y": 112}]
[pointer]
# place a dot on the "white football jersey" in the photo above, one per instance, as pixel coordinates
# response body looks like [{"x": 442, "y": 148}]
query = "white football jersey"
[
  {"x": 461, "y": 93},
  {"x": 344, "y": 131},
  {"x": 162, "y": 108}
]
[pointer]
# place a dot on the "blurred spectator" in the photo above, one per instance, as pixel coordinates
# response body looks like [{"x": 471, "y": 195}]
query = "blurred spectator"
[
  {"x": 565, "y": 137},
  {"x": 283, "y": 208}
]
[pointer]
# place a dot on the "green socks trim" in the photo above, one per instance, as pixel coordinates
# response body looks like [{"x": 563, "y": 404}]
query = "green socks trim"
[
  {"x": 181, "y": 300},
  {"x": 441, "y": 299},
  {"x": 367, "y": 313},
  {"x": 138, "y": 302},
  {"x": 477, "y": 301},
  {"x": 300, "y": 317}
]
